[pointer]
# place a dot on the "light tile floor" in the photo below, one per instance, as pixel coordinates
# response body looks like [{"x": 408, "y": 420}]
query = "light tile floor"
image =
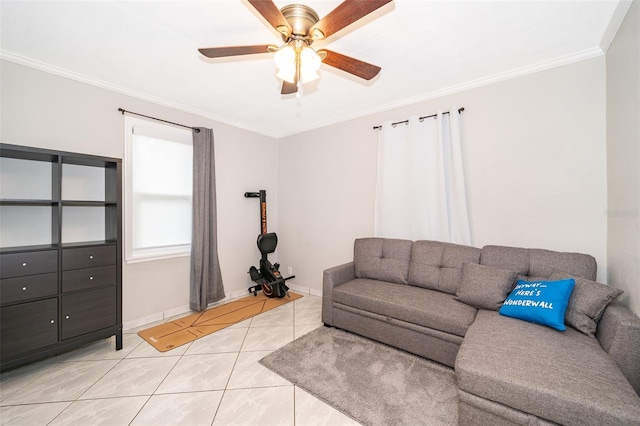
[{"x": 215, "y": 380}]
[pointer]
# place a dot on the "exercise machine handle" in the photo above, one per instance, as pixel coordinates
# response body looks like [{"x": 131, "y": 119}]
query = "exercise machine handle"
[{"x": 262, "y": 194}]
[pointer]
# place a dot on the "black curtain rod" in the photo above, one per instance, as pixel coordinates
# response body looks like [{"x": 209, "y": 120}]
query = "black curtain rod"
[
  {"x": 420, "y": 118},
  {"x": 158, "y": 119}
]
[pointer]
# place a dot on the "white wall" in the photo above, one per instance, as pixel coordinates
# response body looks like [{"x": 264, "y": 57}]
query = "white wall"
[
  {"x": 534, "y": 147},
  {"x": 535, "y": 154},
  {"x": 48, "y": 111},
  {"x": 623, "y": 158}
]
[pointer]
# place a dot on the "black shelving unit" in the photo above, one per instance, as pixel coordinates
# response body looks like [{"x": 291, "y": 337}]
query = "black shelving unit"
[{"x": 59, "y": 293}]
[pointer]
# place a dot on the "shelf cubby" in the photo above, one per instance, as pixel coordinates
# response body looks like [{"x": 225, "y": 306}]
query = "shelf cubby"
[{"x": 54, "y": 206}]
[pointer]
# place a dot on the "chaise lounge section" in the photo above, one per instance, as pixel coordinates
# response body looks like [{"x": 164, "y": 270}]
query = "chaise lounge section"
[{"x": 441, "y": 300}]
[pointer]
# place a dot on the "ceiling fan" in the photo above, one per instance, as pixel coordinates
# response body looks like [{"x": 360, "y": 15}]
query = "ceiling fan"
[{"x": 300, "y": 26}]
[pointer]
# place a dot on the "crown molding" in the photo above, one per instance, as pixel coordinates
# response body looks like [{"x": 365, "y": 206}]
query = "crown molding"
[
  {"x": 614, "y": 24},
  {"x": 495, "y": 78},
  {"x": 485, "y": 81},
  {"x": 62, "y": 72}
]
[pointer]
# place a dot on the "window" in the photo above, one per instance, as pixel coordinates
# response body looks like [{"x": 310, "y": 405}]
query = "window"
[{"x": 158, "y": 188}]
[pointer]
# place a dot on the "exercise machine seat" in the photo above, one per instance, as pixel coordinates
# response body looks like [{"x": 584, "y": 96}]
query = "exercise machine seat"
[{"x": 267, "y": 242}]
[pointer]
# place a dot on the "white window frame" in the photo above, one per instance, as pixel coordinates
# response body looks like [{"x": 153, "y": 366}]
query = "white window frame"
[{"x": 167, "y": 132}]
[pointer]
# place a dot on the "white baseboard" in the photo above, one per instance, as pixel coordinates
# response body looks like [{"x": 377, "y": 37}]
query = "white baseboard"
[
  {"x": 305, "y": 290},
  {"x": 143, "y": 321}
]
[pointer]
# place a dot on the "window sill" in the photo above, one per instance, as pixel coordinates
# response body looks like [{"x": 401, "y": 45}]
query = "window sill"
[{"x": 152, "y": 258}]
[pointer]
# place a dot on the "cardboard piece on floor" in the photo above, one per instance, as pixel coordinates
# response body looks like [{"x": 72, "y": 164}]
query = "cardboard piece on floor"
[{"x": 167, "y": 336}]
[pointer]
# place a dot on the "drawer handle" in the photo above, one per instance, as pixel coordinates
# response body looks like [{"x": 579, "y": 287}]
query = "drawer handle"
[
  {"x": 66, "y": 317},
  {"x": 90, "y": 256},
  {"x": 24, "y": 289},
  {"x": 24, "y": 263},
  {"x": 91, "y": 277},
  {"x": 53, "y": 321}
]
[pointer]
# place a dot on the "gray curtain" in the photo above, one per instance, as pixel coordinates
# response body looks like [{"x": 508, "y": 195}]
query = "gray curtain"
[{"x": 206, "y": 278}]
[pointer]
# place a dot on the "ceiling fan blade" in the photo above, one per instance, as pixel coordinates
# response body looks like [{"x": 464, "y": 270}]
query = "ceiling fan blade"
[
  {"x": 351, "y": 65},
  {"x": 220, "y": 52},
  {"x": 288, "y": 88},
  {"x": 272, "y": 14},
  {"x": 345, "y": 14}
]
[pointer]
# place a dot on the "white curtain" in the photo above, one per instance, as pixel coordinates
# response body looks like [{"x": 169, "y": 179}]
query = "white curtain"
[{"x": 420, "y": 191}]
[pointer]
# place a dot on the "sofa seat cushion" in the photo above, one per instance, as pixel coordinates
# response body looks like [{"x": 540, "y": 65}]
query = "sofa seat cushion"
[
  {"x": 564, "y": 377},
  {"x": 427, "y": 308}
]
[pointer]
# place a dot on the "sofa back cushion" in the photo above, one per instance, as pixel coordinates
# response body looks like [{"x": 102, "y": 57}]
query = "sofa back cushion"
[
  {"x": 538, "y": 264},
  {"x": 438, "y": 266},
  {"x": 484, "y": 287},
  {"x": 382, "y": 259},
  {"x": 587, "y": 304}
]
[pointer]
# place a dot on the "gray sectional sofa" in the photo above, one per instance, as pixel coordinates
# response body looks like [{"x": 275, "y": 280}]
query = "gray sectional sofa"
[{"x": 441, "y": 301}]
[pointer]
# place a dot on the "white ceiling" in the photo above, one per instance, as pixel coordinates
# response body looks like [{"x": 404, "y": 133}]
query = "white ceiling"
[{"x": 148, "y": 49}]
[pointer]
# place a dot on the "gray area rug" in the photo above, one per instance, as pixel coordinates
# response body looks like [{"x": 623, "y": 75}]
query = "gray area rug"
[{"x": 370, "y": 382}]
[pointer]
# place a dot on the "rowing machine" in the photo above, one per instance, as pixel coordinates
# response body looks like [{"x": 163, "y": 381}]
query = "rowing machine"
[{"x": 267, "y": 277}]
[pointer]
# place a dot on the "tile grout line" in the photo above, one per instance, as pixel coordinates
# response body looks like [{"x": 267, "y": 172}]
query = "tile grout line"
[
  {"x": 119, "y": 362},
  {"x": 294, "y": 386},
  {"x": 238, "y": 356},
  {"x": 77, "y": 399},
  {"x": 157, "y": 387},
  {"x": 224, "y": 391}
]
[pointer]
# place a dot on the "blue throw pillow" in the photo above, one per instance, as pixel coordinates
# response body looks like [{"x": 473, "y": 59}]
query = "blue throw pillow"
[{"x": 541, "y": 302}]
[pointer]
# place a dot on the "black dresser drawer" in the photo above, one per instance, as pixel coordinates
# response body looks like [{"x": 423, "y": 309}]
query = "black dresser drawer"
[
  {"x": 82, "y": 279},
  {"x": 88, "y": 311},
  {"x": 29, "y": 287},
  {"x": 88, "y": 257},
  {"x": 28, "y": 263},
  {"x": 28, "y": 326}
]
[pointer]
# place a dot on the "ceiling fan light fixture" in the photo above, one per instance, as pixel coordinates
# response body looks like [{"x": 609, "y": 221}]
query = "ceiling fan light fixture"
[
  {"x": 309, "y": 64},
  {"x": 285, "y": 60},
  {"x": 288, "y": 58}
]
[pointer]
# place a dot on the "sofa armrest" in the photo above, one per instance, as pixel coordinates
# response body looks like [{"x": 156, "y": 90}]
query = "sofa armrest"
[
  {"x": 331, "y": 278},
  {"x": 619, "y": 334}
]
